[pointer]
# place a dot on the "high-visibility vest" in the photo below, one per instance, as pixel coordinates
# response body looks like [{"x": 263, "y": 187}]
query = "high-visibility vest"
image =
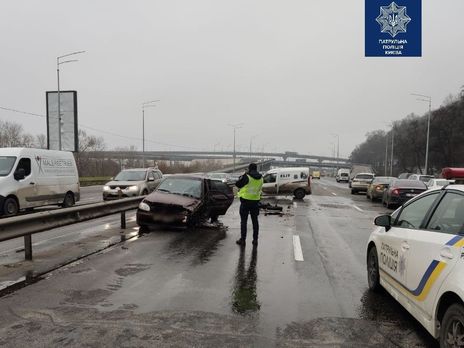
[{"x": 252, "y": 190}]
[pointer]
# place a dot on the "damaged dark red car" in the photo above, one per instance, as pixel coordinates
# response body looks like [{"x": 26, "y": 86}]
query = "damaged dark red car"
[{"x": 185, "y": 200}]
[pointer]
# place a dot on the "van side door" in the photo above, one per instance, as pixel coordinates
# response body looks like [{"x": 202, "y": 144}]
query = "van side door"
[
  {"x": 270, "y": 183},
  {"x": 26, "y": 188}
]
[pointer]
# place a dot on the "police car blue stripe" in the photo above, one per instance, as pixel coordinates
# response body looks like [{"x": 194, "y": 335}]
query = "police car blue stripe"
[
  {"x": 425, "y": 278},
  {"x": 454, "y": 240}
]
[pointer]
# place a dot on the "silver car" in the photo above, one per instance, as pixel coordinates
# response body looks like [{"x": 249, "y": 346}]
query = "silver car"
[{"x": 132, "y": 182}]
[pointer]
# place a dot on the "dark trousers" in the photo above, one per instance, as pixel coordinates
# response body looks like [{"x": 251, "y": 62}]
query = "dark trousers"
[{"x": 252, "y": 208}]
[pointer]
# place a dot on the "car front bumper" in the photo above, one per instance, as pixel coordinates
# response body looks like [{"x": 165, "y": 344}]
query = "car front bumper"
[{"x": 149, "y": 218}]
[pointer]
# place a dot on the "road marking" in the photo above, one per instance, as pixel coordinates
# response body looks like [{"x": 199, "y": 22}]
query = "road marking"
[
  {"x": 297, "y": 249},
  {"x": 295, "y": 205},
  {"x": 358, "y": 208},
  {"x": 334, "y": 193}
]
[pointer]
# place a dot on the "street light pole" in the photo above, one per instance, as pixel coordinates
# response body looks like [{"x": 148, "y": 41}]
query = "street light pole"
[
  {"x": 147, "y": 104},
  {"x": 428, "y": 99},
  {"x": 58, "y": 63},
  {"x": 386, "y": 153},
  {"x": 338, "y": 147},
  {"x": 235, "y": 126},
  {"x": 392, "y": 148}
]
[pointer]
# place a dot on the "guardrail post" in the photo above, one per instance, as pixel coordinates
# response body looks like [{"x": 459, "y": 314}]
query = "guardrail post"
[
  {"x": 28, "y": 246},
  {"x": 123, "y": 220}
]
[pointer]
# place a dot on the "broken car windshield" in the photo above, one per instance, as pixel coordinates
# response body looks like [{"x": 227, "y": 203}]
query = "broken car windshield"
[{"x": 181, "y": 186}]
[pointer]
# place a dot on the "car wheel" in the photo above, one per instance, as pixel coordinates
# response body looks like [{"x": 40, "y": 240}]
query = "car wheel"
[
  {"x": 373, "y": 278},
  {"x": 10, "y": 207},
  {"x": 68, "y": 200},
  {"x": 452, "y": 327},
  {"x": 299, "y": 193}
]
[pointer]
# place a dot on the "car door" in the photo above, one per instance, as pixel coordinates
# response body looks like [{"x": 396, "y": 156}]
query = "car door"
[
  {"x": 220, "y": 197},
  {"x": 394, "y": 253},
  {"x": 434, "y": 250},
  {"x": 26, "y": 188},
  {"x": 270, "y": 183}
]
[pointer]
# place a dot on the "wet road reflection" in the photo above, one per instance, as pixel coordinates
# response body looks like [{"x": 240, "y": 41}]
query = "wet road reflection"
[
  {"x": 382, "y": 308},
  {"x": 244, "y": 294},
  {"x": 203, "y": 243}
]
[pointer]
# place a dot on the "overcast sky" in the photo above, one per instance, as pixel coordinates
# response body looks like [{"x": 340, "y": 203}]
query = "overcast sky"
[{"x": 293, "y": 72}]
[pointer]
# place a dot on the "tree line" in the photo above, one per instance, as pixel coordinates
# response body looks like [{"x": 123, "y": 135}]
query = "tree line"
[{"x": 409, "y": 136}]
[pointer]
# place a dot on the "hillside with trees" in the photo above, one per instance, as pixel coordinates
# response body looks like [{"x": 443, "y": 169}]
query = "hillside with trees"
[{"x": 409, "y": 136}]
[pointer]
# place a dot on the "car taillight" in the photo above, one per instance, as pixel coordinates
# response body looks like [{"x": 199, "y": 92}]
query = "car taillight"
[{"x": 395, "y": 192}]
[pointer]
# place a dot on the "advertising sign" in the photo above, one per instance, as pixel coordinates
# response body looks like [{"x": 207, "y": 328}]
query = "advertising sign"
[{"x": 69, "y": 127}]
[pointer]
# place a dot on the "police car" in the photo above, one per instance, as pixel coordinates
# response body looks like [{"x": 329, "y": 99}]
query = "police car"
[{"x": 417, "y": 255}]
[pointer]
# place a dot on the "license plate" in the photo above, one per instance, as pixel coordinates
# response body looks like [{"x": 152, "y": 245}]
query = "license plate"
[{"x": 411, "y": 194}]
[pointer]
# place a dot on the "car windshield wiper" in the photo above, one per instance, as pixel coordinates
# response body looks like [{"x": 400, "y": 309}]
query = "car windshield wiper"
[{"x": 164, "y": 190}]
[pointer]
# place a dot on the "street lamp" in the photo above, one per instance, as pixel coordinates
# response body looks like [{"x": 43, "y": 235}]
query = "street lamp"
[
  {"x": 428, "y": 99},
  {"x": 235, "y": 127},
  {"x": 251, "y": 140},
  {"x": 338, "y": 147},
  {"x": 58, "y": 63},
  {"x": 148, "y": 104}
]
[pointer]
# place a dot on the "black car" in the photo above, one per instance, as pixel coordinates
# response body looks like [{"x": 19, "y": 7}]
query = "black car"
[
  {"x": 401, "y": 191},
  {"x": 185, "y": 200}
]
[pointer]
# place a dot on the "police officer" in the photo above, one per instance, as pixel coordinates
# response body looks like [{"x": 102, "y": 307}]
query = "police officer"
[{"x": 250, "y": 185}]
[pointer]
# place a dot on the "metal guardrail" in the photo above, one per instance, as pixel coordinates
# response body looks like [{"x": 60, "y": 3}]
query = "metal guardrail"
[{"x": 27, "y": 225}]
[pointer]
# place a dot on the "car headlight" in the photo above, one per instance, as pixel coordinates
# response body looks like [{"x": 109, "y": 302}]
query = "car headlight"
[
  {"x": 144, "y": 206},
  {"x": 106, "y": 188},
  {"x": 133, "y": 188}
]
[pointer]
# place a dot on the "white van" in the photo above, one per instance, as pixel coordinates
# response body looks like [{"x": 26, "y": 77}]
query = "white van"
[
  {"x": 31, "y": 178},
  {"x": 343, "y": 174},
  {"x": 287, "y": 181}
]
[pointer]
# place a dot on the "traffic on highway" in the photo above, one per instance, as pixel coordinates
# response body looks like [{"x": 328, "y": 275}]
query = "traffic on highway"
[{"x": 321, "y": 242}]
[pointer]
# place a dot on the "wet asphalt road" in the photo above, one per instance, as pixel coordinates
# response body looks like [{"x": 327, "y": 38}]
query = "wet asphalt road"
[{"x": 198, "y": 288}]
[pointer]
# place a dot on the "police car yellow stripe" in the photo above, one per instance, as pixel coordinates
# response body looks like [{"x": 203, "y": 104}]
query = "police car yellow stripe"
[{"x": 429, "y": 278}]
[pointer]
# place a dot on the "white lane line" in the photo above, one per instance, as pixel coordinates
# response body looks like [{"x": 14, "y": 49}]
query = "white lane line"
[
  {"x": 297, "y": 249},
  {"x": 358, "y": 208},
  {"x": 334, "y": 193}
]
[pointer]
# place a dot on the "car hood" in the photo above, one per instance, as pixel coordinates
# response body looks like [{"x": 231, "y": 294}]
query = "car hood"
[
  {"x": 165, "y": 198},
  {"x": 123, "y": 183}
]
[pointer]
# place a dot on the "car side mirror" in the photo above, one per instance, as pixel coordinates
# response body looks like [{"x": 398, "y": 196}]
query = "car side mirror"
[
  {"x": 20, "y": 174},
  {"x": 151, "y": 179},
  {"x": 383, "y": 221}
]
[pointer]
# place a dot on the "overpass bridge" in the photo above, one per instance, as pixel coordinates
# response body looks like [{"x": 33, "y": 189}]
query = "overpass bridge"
[{"x": 301, "y": 159}]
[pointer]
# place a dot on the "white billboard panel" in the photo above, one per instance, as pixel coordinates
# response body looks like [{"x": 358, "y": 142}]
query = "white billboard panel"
[{"x": 69, "y": 127}]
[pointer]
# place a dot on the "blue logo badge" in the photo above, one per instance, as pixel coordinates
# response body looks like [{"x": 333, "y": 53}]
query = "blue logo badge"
[{"x": 393, "y": 29}]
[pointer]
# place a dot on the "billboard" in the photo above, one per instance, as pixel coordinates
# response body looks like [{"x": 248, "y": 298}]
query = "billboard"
[{"x": 69, "y": 128}]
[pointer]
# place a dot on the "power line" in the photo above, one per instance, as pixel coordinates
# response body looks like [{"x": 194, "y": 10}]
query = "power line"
[{"x": 96, "y": 129}]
